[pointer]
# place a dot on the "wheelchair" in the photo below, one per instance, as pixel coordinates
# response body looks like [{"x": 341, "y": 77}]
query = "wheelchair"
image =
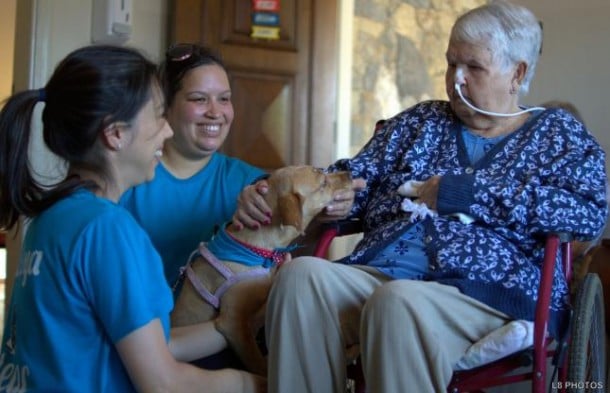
[{"x": 578, "y": 360}]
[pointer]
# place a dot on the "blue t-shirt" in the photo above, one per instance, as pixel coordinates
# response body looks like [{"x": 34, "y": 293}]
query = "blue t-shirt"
[
  {"x": 87, "y": 277},
  {"x": 178, "y": 214}
]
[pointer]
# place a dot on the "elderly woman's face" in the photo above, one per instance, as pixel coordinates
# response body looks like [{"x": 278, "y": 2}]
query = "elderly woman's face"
[{"x": 486, "y": 84}]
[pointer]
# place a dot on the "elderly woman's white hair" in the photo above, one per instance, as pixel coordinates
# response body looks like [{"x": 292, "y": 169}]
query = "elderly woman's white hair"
[{"x": 511, "y": 32}]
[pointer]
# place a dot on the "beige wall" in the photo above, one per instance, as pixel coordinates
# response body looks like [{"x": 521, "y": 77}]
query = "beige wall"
[
  {"x": 64, "y": 25},
  {"x": 575, "y": 61},
  {"x": 7, "y": 44}
]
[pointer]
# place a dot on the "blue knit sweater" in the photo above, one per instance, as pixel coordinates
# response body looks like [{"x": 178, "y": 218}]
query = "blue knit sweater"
[{"x": 548, "y": 176}]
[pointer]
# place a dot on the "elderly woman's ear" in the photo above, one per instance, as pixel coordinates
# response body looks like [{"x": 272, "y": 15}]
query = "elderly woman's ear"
[{"x": 519, "y": 75}]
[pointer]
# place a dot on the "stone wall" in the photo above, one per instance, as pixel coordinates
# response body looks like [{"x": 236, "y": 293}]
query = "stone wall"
[{"x": 399, "y": 57}]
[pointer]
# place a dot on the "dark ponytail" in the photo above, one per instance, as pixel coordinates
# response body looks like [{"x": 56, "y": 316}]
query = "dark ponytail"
[
  {"x": 17, "y": 187},
  {"x": 90, "y": 89}
]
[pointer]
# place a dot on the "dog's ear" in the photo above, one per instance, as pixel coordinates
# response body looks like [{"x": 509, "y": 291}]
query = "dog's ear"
[{"x": 290, "y": 209}]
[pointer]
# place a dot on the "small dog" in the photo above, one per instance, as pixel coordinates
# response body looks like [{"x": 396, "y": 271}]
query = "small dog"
[{"x": 229, "y": 278}]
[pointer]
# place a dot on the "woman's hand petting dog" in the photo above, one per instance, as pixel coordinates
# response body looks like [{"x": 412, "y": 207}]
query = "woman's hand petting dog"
[{"x": 252, "y": 210}]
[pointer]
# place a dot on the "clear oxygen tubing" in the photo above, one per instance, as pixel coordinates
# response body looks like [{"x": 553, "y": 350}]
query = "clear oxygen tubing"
[{"x": 459, "y": 81}]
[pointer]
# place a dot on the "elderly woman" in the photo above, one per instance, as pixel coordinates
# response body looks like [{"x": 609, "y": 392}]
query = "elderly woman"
[{"x": 419, "y": 289}]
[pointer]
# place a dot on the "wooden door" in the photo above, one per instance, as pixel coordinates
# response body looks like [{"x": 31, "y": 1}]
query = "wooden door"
[{"x": 284, "y": 90}]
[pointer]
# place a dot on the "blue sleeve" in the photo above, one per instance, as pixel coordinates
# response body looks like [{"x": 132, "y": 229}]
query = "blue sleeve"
[
  {"x": 252, "y": 173},
  {"x": 122, "y": 275},
  {"x": 455, "y": 194}
]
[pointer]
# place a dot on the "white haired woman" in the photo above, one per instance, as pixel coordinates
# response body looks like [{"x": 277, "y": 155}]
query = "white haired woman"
[{"x": 418, "y": 291}]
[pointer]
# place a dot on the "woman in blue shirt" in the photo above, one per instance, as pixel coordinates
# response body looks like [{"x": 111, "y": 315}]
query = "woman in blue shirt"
[
  {"x": 195, "y": 187},
  {"x": 90, "y": 308}
]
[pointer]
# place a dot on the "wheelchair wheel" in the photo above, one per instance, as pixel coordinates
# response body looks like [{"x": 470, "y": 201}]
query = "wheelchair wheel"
[{"x": 587, "y": 350}]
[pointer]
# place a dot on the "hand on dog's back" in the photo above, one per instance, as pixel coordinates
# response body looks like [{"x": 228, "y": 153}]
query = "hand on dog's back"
[{"x": 252, "y": 210}]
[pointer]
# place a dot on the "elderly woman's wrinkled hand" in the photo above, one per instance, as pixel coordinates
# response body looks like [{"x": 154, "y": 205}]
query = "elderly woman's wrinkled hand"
[
  {"x": 342, "y": 202},
  {"x": 427, "y": 192}
]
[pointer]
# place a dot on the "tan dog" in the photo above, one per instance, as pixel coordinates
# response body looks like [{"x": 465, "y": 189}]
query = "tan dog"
[{"x": 296, "y": 195}]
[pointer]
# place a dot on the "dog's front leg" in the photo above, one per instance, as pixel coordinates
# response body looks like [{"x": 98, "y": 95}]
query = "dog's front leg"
[{"x": 241, "y": 317}]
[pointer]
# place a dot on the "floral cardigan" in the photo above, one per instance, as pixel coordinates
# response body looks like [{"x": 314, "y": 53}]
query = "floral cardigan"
[{"x": 548, "y": 176}]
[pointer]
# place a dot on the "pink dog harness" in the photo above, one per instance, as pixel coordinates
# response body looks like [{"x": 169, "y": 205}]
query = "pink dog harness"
[
  {"x": 230, "y": 277},
  {"x": 224, "y": 246}
]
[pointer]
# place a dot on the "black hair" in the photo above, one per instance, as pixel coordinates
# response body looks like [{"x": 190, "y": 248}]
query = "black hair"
[
  {"x": 179, "y": 59},
  {"x": 91, "y": 88}
]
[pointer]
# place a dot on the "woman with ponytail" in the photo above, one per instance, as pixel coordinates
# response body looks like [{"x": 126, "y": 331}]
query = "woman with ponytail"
[{"x": 90, "y": 307}]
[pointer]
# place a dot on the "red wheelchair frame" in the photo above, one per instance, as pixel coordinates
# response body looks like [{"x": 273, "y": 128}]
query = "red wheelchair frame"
[{"x": 580, "y": 357}]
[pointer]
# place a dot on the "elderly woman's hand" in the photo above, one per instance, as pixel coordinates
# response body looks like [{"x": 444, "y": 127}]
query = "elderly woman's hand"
[
  {"x": 428, "y": 192},
  {"x": 252, "y": 209},
  {"x": 342, "y": 202}
]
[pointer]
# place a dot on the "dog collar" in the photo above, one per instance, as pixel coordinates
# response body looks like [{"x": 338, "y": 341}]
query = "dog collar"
[{"x": 275, "y": 256}]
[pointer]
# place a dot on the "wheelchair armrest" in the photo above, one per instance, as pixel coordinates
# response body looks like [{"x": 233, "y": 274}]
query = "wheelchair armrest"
[
  {"x": 330, "y": 230},
  {"x": 344, "y": 227}
]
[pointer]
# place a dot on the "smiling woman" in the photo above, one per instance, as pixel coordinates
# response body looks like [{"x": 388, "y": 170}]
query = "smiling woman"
[
  {"x": 88, "y": 279},
  {"x": 195, "y": 187}
]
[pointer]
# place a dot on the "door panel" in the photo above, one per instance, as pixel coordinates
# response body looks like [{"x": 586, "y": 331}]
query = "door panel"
[
  {"x": 276, "y": 97},
  {"x": 262, "y": 141}
]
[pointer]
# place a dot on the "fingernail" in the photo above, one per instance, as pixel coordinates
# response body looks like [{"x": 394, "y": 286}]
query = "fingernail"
[
  {"x": 268, "y": 214},
  {"x": 267, "y": 222}
]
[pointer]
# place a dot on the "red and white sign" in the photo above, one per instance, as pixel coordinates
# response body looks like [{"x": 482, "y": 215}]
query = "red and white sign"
[{"x": 266, "y": 5}]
